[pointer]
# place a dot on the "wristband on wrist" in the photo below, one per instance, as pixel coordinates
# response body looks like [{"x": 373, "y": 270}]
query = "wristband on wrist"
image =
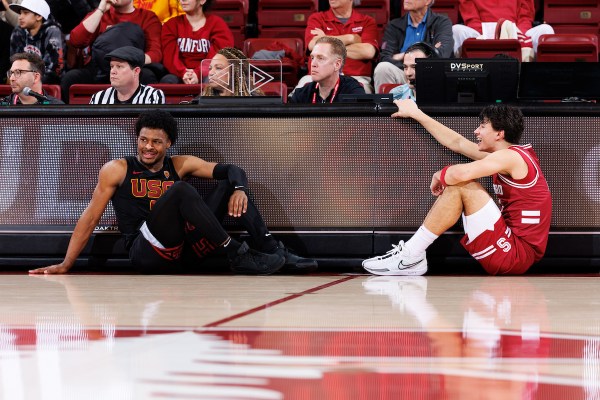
[
  {"x": 240, "y": 187},
  {"x": 102, "y": 11},
  {"x": 443, "y": 175}
]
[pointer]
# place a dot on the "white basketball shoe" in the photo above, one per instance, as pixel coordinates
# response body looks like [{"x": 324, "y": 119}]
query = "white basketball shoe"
[
  {"x": 405, "y": 292},
  {"x": 397, "y": 261}
]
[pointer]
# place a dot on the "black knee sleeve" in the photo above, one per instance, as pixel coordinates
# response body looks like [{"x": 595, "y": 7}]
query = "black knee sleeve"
[{"x": 235, "y": 175}]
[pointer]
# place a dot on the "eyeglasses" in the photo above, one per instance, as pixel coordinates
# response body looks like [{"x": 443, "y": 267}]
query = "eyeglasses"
[{"x": 17, "y": 72}]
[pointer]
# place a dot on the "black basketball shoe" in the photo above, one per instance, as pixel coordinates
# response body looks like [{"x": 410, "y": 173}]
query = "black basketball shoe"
[
  {"x": 251, "y": 262},
  {"x": 295, "y": 264}
]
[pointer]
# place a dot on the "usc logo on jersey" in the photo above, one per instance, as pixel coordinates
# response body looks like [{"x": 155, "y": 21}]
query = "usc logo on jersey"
[{"x": 151, "y": 189}]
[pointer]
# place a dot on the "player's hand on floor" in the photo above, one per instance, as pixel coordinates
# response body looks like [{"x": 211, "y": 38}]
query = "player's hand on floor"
[{"x": 52, "y": 269}]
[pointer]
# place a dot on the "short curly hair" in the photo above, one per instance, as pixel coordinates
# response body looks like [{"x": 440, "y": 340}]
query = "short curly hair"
[
  {"x": 157, "y": 119},
  {"x": 507, "y": 118}
]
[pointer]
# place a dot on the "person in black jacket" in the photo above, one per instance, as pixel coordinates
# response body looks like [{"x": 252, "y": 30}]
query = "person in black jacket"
[
  {"x": 39, "y": 33},
  {"x": 419, "y": 24},
  {"x": 327, "y": 60}
]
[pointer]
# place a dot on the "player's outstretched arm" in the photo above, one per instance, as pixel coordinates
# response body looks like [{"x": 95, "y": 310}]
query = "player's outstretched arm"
[
  {"x": 187, "y": 165},
  {"x": 110, "y": 177},
  {"x": 444, "y": 135}
]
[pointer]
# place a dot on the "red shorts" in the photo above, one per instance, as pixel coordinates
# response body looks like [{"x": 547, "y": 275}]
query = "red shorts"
[{"x": 499, "y": 251}]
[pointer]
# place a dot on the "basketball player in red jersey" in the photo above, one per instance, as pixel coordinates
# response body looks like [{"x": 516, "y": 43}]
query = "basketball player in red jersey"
[{"x": 506, "y": 240}]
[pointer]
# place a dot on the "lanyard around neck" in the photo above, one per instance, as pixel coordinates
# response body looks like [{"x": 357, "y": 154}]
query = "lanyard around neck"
[{"x": 334, "y": 93}]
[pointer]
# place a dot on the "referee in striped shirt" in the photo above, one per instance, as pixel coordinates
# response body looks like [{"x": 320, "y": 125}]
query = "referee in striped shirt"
[{"x": 125, "y": 87}]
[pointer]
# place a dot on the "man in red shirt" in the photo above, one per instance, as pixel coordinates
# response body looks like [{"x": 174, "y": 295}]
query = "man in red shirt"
[
  {"x": 506, "y": 240},
  {"x": 108, "y": 14},
  {"x": 512, "y": 18},
  {"x": 357, "y": 31}
]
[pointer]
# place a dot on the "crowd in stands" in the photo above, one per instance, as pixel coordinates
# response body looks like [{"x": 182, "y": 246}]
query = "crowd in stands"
[{"x": 78, "y": 45}]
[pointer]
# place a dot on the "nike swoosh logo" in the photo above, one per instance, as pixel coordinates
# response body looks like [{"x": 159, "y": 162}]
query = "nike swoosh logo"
[
  {"x": 401, "y": 265},
  {"x": 137, "y": 172}
]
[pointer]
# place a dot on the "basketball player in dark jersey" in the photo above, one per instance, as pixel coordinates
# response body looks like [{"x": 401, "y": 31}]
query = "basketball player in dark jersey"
[
  {"x": 160, "y": 215},
  {"x": 506, "y": 240}
]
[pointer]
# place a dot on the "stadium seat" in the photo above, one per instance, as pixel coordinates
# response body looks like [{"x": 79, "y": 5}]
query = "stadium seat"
[
  {"x": 386, "y": 87},
  {"x": 81, "y": 93},
  {"x": 174, "y": 93},
  {"x": 571, "y": 11},
  {"x": 177, "y": 93},
  {"x": 276, "y": 89},
  {"x": 288, "y": 18},
  {"x": 52, "y": 90},
  {"x": 272, "y": 89},
  {"x": 476, "y": 48},
  {"x": 235, "y": 14},
  {"x": 289, "y": 67},
  {"x": 567, "y": 47},
  {"x": 253, "y": 45},
  {"x": 378, "y": 9},
  {"x": 448, "y": 8},
  {"x": 573, "y": 16}
]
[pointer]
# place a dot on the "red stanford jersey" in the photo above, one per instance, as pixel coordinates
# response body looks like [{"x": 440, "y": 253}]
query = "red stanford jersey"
[
  {"x": 526, "y": 203},
  {"x": 183, "y": 47},
  {"x": 358, "y": 24}
]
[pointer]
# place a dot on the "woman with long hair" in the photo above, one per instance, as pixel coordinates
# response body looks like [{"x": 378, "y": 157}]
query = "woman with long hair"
[{"x": 227, "y": 75}]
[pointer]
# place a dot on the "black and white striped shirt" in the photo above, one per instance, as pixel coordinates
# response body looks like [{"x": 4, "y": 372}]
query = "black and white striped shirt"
[{"x": 143, "y": 95}]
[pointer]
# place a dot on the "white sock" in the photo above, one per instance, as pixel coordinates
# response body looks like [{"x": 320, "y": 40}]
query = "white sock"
[{"x": 420, "y": 241}]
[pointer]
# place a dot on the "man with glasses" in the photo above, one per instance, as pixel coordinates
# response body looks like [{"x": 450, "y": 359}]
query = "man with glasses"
[
  {"x": 26, "y": 71},
  {"x": 327, "y": 60}
]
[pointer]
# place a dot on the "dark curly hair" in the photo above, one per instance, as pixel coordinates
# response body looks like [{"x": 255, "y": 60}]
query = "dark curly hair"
[
  {"x": 157, "y": 119},
  {"x": 506, "y": 118}
]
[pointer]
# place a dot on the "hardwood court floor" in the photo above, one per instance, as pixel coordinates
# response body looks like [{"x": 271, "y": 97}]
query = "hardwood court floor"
[{"x": 313, "y": 337}]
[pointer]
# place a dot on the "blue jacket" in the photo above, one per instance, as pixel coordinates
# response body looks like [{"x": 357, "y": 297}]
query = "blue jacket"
[{"x": 437, "y": 29}]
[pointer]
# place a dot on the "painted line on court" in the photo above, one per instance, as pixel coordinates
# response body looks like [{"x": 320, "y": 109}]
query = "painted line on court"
[{"x": 279, "y": 301}]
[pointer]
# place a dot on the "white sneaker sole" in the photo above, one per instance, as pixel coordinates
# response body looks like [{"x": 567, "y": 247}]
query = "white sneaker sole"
[{"x": 418, "y": 269}]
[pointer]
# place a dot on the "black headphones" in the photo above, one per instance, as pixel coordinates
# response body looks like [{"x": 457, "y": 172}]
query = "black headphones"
[{"x": 429, "y": 50}]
